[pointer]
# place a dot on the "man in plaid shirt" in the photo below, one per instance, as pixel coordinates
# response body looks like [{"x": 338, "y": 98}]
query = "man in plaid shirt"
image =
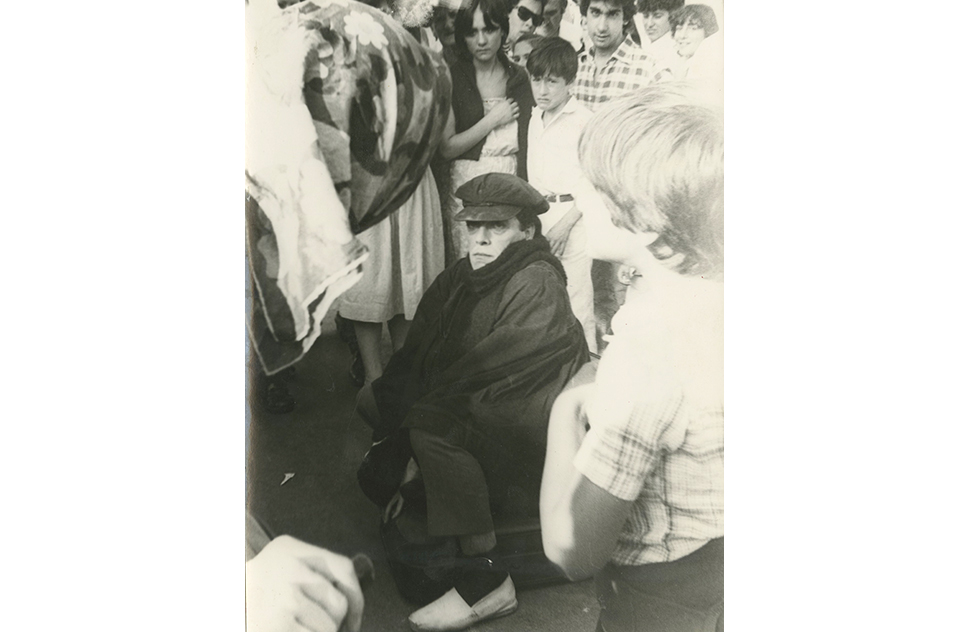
[{"x": 614, "y": 64}]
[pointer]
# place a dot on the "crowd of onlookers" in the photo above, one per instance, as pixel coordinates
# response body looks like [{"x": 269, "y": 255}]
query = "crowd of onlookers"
[{"x": 512, "y": 117}]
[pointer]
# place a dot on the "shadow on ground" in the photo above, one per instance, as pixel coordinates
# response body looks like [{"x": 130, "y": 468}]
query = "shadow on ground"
[{"x": 321, "y": 443}]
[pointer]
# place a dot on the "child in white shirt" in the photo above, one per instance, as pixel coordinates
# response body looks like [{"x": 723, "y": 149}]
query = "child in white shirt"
[{"x": 553, "y": 166}]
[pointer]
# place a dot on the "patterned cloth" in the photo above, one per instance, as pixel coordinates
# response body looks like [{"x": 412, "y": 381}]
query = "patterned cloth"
[
  {"x": 628, "y": 69},
  {"x": 657, "y": 438},
  {"x": 337, "y": 138}
]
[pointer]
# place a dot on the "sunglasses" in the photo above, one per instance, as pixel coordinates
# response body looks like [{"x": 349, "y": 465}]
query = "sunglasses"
[{"x": 525, "y": 15}]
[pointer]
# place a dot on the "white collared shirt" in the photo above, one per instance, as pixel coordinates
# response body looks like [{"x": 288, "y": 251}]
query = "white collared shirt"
[
  {"x": 664, "y": 50},
  {"x": 553, "y": 157}
]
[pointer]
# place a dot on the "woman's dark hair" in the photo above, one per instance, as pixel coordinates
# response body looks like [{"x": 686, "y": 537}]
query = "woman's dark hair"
[
  {"x": 700, "y": 14},
  {"x": 555, "y": 57},
  {"x": 495, "y": 16}
]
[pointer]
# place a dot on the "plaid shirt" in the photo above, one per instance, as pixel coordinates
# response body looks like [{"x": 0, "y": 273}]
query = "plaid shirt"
[
  {"x": 627, "y": 69},
  {"x": 658, "y": 440}
]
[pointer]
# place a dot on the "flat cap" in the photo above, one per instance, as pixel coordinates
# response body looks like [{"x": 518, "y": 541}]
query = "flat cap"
[{"x": 493, "y": 197}]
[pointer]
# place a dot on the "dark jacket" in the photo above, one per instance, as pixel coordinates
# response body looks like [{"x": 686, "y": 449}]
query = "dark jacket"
[
  {"x": 467, "y": 104},
  {"x": 488, "y": 349}
]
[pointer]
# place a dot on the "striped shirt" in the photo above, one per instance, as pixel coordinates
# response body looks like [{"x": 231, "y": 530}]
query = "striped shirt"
[{"x": 627, "y": 69}]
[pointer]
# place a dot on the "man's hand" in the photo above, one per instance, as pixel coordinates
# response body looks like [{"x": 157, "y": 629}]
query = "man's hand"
[
  {"x": 559, "y": 234},
  {"x": 396, "y": 504},
  {"x": 292, "y": 585},
  {"x": 557, "y": 237}
]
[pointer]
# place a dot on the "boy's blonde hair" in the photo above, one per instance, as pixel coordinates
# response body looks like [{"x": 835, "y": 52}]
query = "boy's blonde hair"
[{"x": 658, "y": 156}]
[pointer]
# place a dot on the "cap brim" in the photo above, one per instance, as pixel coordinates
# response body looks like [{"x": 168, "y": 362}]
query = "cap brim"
[{"x": 491, "y": 213}]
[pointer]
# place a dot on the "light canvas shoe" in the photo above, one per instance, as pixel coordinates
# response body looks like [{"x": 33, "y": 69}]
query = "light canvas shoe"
[{"x": 452, "y": 612}]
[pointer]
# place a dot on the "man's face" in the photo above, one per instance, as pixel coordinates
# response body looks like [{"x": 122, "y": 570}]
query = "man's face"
[
  {"x": 487, "y": 240},
  {"x": 604, "y": 25},
  {"x": 657, "y": 23},
  {"x": 519, "y": 26},
  {"x": 443, "y": 25},
  {"x": 551, "y": 17},
  {"x": 688, "y": 38},
  {"x": 550, "y": 93}
]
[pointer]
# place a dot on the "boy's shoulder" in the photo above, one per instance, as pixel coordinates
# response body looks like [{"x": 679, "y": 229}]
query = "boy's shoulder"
[
  {"x": 579, "y": 109},
  {"x": 576, "y": 109}
]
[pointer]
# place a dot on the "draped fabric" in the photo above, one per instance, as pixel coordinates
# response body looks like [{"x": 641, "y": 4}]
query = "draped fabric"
[
  {"x": 489, "y": 349},
  {"x": 344, "y": 112}
]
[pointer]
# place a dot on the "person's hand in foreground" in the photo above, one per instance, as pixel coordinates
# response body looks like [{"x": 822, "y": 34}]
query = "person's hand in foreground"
[
  {"x": 396, "y": 504},
  {"x": 292, "y": 585},
  {"x": 559, "y": 234}
]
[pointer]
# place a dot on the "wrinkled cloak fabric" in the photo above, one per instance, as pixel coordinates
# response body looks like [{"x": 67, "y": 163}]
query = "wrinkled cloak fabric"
[
  {"x": 337, "y": 139},
  {"x": 488, "y": 350}
]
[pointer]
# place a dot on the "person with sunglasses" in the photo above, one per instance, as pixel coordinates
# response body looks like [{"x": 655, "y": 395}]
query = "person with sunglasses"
[
  {"x": 525, "y": 16},
  {"x": 553, "y": 24}
]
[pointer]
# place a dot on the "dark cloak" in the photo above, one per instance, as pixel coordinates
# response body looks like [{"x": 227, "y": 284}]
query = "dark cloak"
[{"x": 487, "y": 354}]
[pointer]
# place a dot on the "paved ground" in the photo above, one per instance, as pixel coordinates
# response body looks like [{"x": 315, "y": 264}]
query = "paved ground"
[{"x": 322, "y": 443}]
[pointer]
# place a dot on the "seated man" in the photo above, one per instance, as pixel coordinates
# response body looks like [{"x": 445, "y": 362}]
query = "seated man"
[{"x": 492, "y": 344}]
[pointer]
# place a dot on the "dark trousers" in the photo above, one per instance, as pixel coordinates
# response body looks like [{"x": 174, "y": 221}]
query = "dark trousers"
[
  {"x": 454, "y": 484},
  {"x": 686, "y": 595},
  {"x": 608, "y": 295},
  {"x": 470, "y": 475}
]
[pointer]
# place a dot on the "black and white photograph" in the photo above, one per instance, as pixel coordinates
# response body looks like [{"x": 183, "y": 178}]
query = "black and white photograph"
[
  {"x": 485, "y": 241},
  {"x": 470, "y": 357}
]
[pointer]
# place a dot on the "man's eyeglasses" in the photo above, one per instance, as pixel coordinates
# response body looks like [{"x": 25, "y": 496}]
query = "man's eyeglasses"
[{"x": 525, "y": 15}]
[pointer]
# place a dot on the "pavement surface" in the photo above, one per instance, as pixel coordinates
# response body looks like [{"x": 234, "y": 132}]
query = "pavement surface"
[{"x": 321, "y": 443}]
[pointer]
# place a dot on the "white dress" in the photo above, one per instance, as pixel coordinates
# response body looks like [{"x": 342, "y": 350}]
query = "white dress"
[
  {"x": 406, "y": 255},
  {"x": 498, "y": 156}
]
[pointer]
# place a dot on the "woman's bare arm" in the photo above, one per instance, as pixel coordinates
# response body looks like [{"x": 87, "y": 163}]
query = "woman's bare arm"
[{"x": 456, "y": 144}]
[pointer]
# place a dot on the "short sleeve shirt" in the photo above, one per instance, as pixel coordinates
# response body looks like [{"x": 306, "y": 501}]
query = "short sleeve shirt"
[
  {"x": 628, "y": 69},
  {"x": 654, "y": 441}
]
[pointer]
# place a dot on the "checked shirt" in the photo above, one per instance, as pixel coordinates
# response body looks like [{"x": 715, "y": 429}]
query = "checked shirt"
[
  {"x": 656, "y": 439},
  {"x": 628, "y": 69}
]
